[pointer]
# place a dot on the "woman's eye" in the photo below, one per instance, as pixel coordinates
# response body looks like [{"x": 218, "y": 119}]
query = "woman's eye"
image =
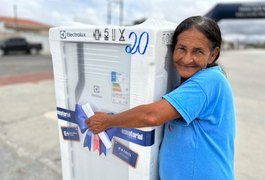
[
  {"x": 197, "y": 51},
  {"x": 180, "y": 49}
]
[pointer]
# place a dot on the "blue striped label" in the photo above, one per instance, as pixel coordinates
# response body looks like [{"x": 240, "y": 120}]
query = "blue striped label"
[{"x": 143, "y": 138}]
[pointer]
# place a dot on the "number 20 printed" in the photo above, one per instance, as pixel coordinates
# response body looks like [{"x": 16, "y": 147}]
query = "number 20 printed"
[{"x": 139, "y": 45}]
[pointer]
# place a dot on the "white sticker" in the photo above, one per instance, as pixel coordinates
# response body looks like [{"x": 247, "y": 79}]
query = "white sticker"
[{"x": 120, "y": 88}]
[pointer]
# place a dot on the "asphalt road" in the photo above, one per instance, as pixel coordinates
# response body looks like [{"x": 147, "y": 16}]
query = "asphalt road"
[
  {"x": 19, "y": 68},
  {"x": 17, "y": 64}
]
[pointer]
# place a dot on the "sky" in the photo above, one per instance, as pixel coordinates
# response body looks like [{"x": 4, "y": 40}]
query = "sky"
[{"x": 61, "y": 12}]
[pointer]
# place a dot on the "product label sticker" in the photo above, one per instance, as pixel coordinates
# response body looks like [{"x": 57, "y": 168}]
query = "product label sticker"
[
  {"x": 66, "y": 115},
  {"x": 125, "y": 154},
  {"x": 167, "y": 38},
  {"x": 120, "y": 88},
  {"x": 70, "y": 133}
]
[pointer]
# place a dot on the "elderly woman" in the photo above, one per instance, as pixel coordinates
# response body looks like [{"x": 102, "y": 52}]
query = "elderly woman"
[{"x": 199, "y": 115}]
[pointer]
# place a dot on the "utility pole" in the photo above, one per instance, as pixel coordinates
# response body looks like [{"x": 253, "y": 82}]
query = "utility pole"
[
  {"x": 109, "y": 13},
  {"x": 15, "y": 17},
  {"x": 121, "y": 12}
]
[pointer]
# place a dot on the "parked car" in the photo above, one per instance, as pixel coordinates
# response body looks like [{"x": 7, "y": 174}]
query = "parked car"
[{"x": 19, "y": 45}]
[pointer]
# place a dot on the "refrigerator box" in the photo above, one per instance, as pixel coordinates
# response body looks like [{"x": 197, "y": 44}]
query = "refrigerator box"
[{"x": 110, "y": 69}]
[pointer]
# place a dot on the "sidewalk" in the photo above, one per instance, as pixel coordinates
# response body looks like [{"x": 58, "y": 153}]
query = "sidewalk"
[
  {"x": 29, "y": 143},
  {"x": 245, "y": 71}
]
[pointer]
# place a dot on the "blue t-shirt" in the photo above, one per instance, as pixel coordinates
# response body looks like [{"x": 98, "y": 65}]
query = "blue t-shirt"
[{"x": 200, "y": 145}]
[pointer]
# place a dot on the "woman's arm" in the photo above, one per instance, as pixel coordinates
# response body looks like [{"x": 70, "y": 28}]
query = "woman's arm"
[{"x": 153, "y": 114}]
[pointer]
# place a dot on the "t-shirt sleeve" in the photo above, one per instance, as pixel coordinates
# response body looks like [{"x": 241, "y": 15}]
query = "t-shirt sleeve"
[{"x": 189, "y": 100}]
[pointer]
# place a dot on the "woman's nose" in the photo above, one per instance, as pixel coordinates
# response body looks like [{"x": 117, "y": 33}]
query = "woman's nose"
[{"x": 187, "y": 58}]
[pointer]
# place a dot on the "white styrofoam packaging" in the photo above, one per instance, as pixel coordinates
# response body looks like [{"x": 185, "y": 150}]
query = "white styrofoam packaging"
[{"x": 113, "y": 69}]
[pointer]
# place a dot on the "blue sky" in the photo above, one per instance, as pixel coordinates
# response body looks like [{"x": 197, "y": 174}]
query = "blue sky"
[{"x": 60, "y": 12}]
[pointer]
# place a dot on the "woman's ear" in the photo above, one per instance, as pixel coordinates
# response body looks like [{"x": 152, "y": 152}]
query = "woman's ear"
[{"x": 214, "y": 54}]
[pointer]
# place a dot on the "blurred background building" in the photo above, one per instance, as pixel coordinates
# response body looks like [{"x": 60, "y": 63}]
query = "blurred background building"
[{"x": 31, "y": 30}]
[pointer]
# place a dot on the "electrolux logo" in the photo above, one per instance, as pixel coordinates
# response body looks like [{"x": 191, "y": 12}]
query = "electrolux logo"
[
  {"x": 64, "y": 34},
  {"x": 96, "y": 89}
]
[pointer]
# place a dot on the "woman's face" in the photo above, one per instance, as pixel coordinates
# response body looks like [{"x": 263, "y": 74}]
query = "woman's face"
[{"x": 192, "y": 53}]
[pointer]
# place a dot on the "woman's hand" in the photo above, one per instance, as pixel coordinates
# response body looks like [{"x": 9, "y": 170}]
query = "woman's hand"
[{"x": 98, "y": 122}]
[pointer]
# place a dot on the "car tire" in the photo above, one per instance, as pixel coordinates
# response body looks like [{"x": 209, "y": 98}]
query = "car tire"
[{"x": 34, "y": 51}]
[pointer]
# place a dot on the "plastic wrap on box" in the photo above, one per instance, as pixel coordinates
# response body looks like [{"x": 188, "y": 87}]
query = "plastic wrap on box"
[{"x": 113, "y": 69}]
